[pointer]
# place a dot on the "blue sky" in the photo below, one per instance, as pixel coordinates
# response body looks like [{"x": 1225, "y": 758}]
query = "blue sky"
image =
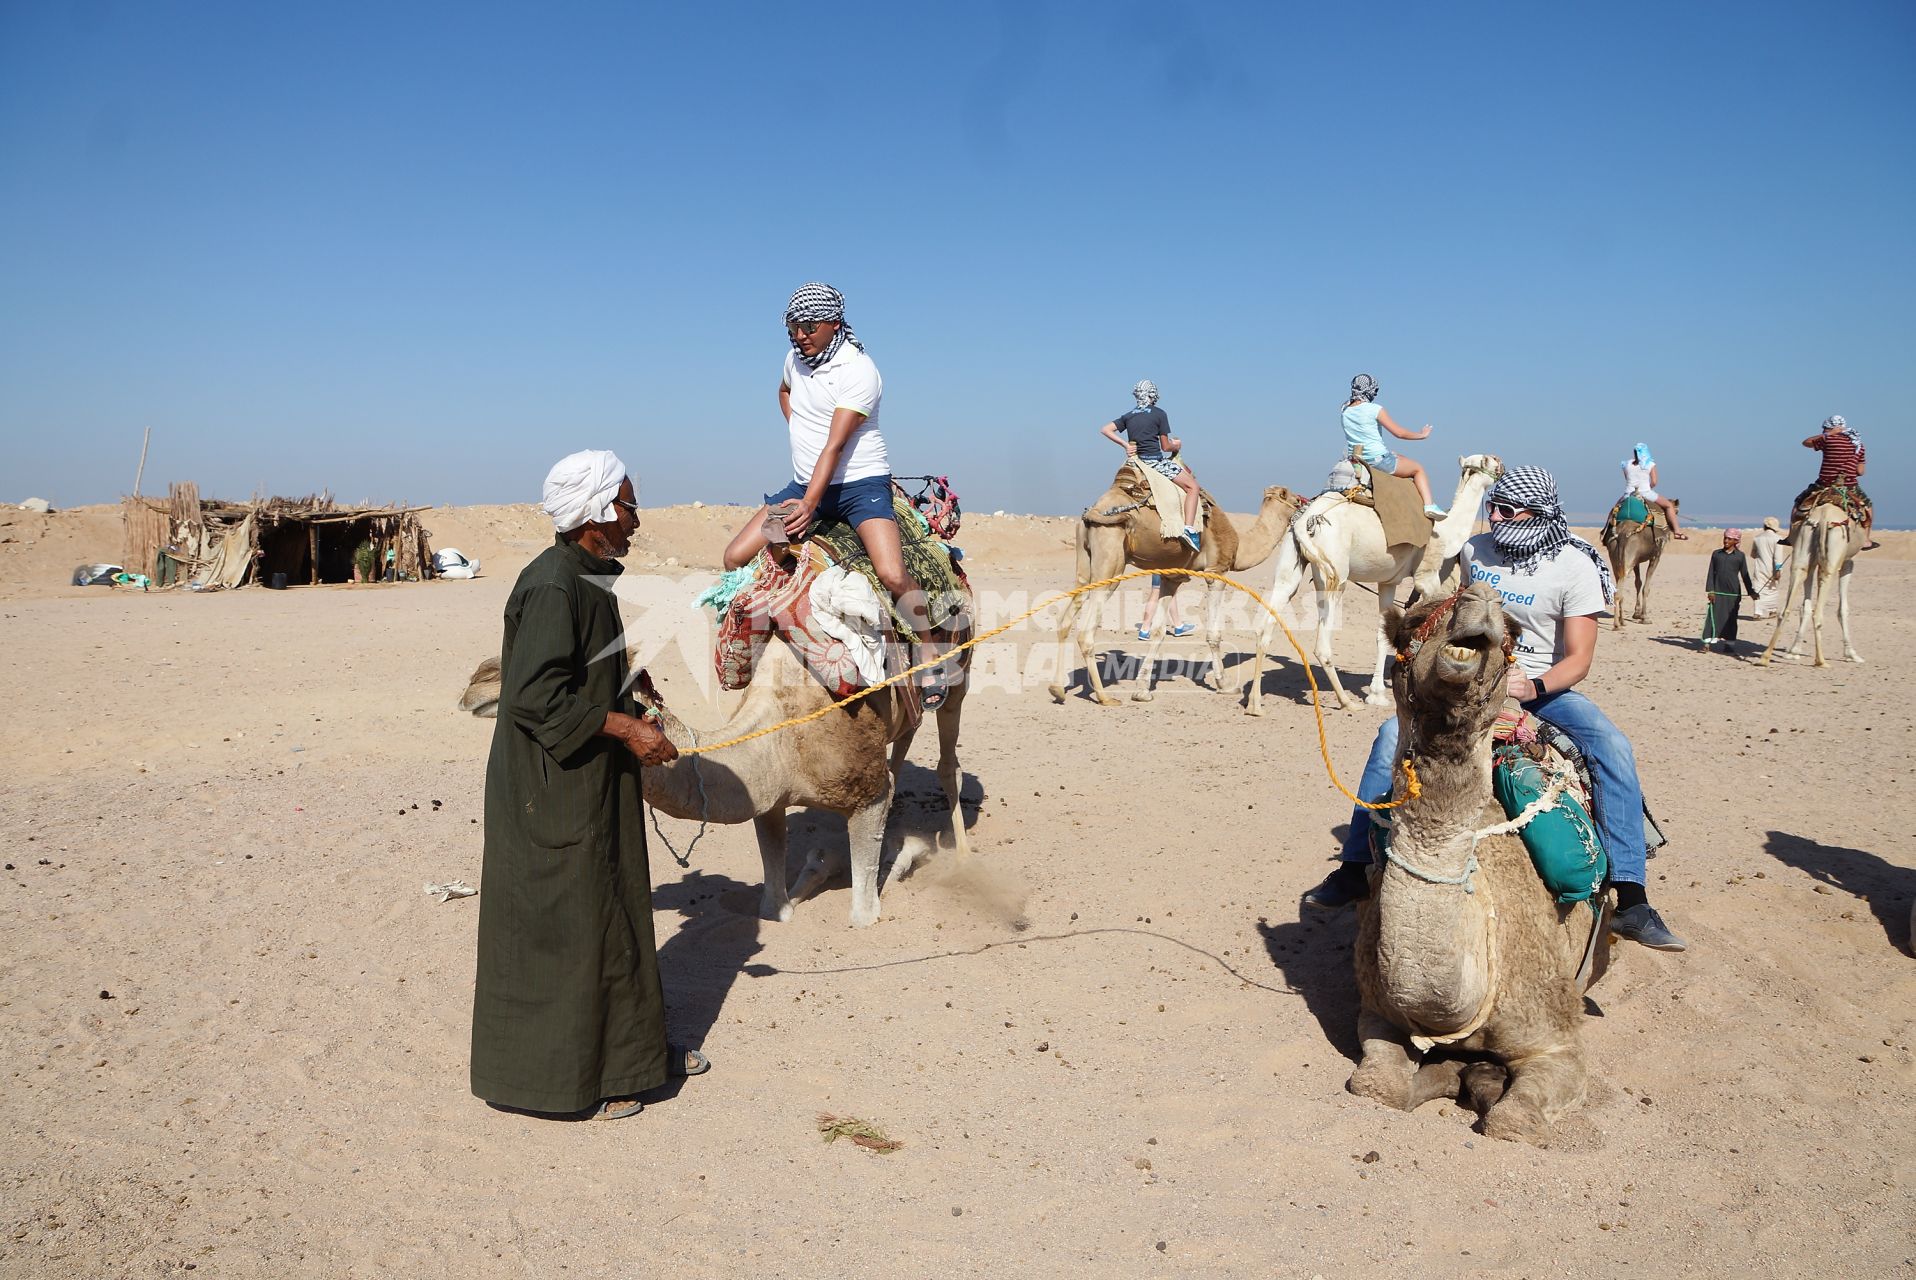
[{"x": 419, "y": 251}]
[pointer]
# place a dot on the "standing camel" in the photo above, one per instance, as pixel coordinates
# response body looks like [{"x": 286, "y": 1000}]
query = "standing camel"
[
  {"x": 836, "y": 762},
  {"x": 1460, "y": 944},
  {"x": 1117, "y": 532},
  {"x": 1337, "y": 541},
  {"x": 1823, "y": 545},
  {"x": 1635, "y": 547}
]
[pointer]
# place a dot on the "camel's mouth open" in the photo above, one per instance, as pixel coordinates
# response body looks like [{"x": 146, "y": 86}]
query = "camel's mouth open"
[{"x": 1465, "y": 649}]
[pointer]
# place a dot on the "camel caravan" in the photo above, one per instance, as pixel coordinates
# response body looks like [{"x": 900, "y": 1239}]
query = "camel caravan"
[{"x": 1487, "y": 881}]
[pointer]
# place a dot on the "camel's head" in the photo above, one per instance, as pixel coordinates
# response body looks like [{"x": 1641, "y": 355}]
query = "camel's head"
[
  {"x": 1277, "y": 493},
  {"x": 1487, "y": 465},
  {"x": 1453, "y": 653}
]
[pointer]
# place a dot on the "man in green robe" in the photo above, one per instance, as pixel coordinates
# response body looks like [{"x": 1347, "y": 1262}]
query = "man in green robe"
[{"x": 567, "y": 1012}]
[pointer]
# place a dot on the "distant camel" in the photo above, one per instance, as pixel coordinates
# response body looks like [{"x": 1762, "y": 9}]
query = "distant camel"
[
  {"x": 1823, "y": 545},
  {"x": 1117, "y": 531},
  {"x": 1635, "y": 547},
  {"x": 1339, "y": 541}
]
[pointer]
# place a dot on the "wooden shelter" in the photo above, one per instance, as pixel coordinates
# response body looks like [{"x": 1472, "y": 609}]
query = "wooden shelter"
[{"x": 310, "y": 540}]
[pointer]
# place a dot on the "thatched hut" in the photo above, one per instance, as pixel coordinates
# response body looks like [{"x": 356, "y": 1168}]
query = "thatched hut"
[{"x": 275, "y": 541}]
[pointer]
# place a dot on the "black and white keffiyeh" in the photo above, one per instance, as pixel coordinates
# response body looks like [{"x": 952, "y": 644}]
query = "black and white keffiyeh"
[
  {"x": 816, "y": 302},
  {"x": 1145, "y": 393},
  {"x": 1529, "y": 542},
  {"x": 1364, "y": 387},
  {"x": 1835, "y": 423}
]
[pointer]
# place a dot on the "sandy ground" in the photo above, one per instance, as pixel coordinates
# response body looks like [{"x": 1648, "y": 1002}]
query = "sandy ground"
[{"x": 235, "y": 1029}]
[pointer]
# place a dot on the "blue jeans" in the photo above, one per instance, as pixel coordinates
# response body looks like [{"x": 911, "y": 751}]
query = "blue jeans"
[{"x": 1618, "y": 796}]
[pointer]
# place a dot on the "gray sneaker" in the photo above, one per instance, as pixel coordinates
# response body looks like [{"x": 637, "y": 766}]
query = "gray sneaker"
[{"x": 1642, "y": 925}]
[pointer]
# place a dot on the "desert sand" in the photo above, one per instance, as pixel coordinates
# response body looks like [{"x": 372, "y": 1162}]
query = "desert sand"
[{"x": 235, "y": 1028}]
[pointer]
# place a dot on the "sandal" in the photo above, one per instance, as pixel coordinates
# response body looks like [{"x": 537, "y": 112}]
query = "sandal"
[
  {"x": 618, "y": 1109},
  {"x": 686, "y": 1062},
  {"x": 1680, "y": 537}
]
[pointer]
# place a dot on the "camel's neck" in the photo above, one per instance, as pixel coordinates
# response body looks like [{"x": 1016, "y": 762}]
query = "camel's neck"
[
  {"x": 710, "y": 789},
  {"x": 1450, "y": 533},
  {"x": 1433, "y": 931},
  {"x": 1273, "y": 519}
]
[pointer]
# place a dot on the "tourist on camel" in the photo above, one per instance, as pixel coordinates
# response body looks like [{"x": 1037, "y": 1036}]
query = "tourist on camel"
[
  {"x": 1153, "y": 445},
  {"x": 1640, "y": 478},
  {"x": 1553, "y": 587},
  {"x": 829, "y": 392},
  {"x": 1364, "y": 442},
  {"x": 1843, "y": 466}
]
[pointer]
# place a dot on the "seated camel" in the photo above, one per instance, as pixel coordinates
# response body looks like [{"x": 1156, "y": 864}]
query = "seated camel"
[
  {"x": 836, "y": 762},
  {"x": 1460, "y": 944}
]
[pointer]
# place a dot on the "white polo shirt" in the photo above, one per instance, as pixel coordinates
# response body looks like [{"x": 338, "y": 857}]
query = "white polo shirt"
[{"x": 849, "y": 380}]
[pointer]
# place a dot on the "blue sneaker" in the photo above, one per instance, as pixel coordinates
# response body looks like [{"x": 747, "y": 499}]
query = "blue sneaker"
[
  {"x": 1182, "y": 630},
  {"x": 1195, "y": 538},
  {"x": 1144, "y": 633}
]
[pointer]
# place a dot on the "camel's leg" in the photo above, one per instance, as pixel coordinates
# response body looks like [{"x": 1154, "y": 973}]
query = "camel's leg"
[
  {"x": 951, "y": 777},
  {"x": 1214, "y": 632},
  {"x": 1148, "y": 674},
  {"x": 1254, "y": 691},
  {"x": 1795, "y": 587},
  {"x": 1842, "y": 610},
  {"x": 1377, "y": 692},
  {"x": 866, "y": 829},
  {"x": 1284, "y": 584},
  {"x": 1645, "y": 571},
  {"x": 1618, "y": 574},
  {"x": 1387, "y": 1069},
  {"x": 776, "y": 902},
  {"x": 1541, "y": 1088},
  {"x": 1329, "y": 610},
  {"x": 1066, "y": 625},
  {"x": 1088, "y": 645},
  {"x": 1819, "y": 591}
]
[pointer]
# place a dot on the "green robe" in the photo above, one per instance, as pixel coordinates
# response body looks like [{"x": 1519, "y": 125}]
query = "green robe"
[{"x": 567, "y": 1007}]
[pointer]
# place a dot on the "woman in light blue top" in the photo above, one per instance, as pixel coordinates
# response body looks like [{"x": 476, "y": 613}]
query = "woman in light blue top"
[{"x": 1363, "y": 417}]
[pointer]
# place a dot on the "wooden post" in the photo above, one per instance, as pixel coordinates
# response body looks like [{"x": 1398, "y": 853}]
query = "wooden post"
[
  {"x": 141, "y": 473},
  {"x": 312, "y": 552}
]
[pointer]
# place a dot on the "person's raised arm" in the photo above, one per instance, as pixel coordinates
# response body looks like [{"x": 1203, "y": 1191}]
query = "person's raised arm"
[
  {"x": 1110, "y": 432},
  {"x": 1814, "y": 442},
  {"x": 1389, "y": 424}
]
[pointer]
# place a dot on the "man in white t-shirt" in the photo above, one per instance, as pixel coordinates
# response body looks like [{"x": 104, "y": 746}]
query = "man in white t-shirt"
[
  {"x": 829, "y": 391},
  {"x": 1553, "y": 586}
]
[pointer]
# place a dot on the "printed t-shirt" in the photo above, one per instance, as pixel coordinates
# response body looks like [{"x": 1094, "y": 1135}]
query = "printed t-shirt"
[
  {"x": 1565, "y": 584},
  {"x": 849, "y": 380}
]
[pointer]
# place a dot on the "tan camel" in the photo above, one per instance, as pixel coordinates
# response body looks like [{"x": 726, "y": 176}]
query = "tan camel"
[
  {"x": 1823, "y": 545},
  {"x": 1460, "y": 944},
  {"x": 836, "y": 763},
  {"x": 1337, "y": 541},
  {"x": 1635, "y": 547},
  {"x": 1117, "y": 531}
]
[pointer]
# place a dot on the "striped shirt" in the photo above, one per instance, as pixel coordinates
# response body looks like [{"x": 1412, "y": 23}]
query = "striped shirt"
[{"x": 1842, "y": 455}]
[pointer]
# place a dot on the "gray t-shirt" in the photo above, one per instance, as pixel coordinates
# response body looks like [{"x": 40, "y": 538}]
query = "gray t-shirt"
[
  {"x": 1144, "y": 426},
  {"x": 1565, "y": 584}
]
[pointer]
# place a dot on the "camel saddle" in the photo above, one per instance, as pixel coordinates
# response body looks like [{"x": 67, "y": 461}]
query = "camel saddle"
[
  {"x": 1632, "y": 509},
  {"x": 1142, "y": 487},
  {"x": 1399, "y": 507},
  {"x": 1848, "y": 496}
]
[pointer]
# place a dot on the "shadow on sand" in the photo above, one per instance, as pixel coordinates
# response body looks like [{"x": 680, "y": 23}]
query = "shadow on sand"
[
  {"x": 1884, "y": 886},
  {"x": 1314, "y": 955}
]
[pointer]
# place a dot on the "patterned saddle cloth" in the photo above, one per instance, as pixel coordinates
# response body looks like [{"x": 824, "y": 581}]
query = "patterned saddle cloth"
[
  {"x": 1631, "y": 509},
  {"x": 1849, "y": 497}
]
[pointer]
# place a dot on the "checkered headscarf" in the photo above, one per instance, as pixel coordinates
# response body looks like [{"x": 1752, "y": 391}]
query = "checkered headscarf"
[
  {"x": 1530, "y": 542},
  {"x": 1364, "y": 387},
  {"x": 815, "y": 302},
  {"x": 1145, "y": 393},
  {"x": 1835, "y": 423}
]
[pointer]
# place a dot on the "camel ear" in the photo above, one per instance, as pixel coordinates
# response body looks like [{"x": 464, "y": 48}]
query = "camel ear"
[
  {"x": 1394, "y": 628},
  {"x": 1512, "y": 633}
]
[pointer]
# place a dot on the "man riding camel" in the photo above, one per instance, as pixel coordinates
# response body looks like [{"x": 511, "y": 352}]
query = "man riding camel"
[
  {"x": 1843, "y": 465},
  {"x": 1153, "y": 446}
]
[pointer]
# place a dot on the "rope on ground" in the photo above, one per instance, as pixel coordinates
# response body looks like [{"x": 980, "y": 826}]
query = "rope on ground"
[{"x": 1412, "y": 786}]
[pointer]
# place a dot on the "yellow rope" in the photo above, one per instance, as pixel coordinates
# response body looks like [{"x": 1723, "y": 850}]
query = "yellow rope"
[{"x": 1412, "y": 786}]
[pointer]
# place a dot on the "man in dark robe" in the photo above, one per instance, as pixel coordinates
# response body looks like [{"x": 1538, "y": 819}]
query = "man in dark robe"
[
  {"x": 568, "y": 1014},
  {"x": 1721, "y": 593}
]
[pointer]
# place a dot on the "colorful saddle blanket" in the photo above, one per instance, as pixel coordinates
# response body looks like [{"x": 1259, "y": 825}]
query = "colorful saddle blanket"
[
  {"x": 929, "y": 561},
  {"x": 1527, "y": 754},
  {"x": 1633, "y": 509},
  {"x": 1847, "y": 496}
]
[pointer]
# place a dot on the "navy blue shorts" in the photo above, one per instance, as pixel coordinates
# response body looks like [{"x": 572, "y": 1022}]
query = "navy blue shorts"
[{"x": 854, "y": 502}]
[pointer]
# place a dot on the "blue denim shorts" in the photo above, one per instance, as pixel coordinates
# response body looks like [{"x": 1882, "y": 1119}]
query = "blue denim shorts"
[
  {"x": 854, "y": 502},
  {"x": 1382, "y": 459}
]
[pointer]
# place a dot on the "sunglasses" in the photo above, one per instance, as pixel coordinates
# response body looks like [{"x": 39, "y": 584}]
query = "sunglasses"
[
  {"x": 1504, "y": 510},
  {"x": 806, "y": 327},
  {"x": 633, "y": 507}
]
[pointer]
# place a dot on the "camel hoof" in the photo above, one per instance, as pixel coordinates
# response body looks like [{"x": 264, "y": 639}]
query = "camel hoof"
[
  {"x": 1106, "y": 700},
  {"x": 1057, "y": 692},
  {"x": 1820, "y": 662},
  {"x": 1377, "y": 700},
  {"x": 1143, "y": 695},
  {"x": 1513, "y": 1122},
  {"x": 1386, "y": 1087},
  {"x": 781, "y": 912},
  {"x": 864, "y": 919},
  {"x": 1854, "y": 657},
  {"x": 1253, "y": 709}
]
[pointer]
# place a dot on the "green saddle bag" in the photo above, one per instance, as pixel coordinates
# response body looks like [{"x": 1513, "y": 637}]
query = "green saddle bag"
[{"x": 1633, "y": 508}]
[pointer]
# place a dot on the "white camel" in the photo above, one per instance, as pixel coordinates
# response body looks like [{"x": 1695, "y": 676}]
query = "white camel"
[
  {"x": 1823, "y": 545},
  {"x": 1337, "y": 541}
]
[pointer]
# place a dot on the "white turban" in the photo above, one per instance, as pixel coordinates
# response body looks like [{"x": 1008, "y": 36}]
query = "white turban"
[{"x": 580, "y": 488}]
